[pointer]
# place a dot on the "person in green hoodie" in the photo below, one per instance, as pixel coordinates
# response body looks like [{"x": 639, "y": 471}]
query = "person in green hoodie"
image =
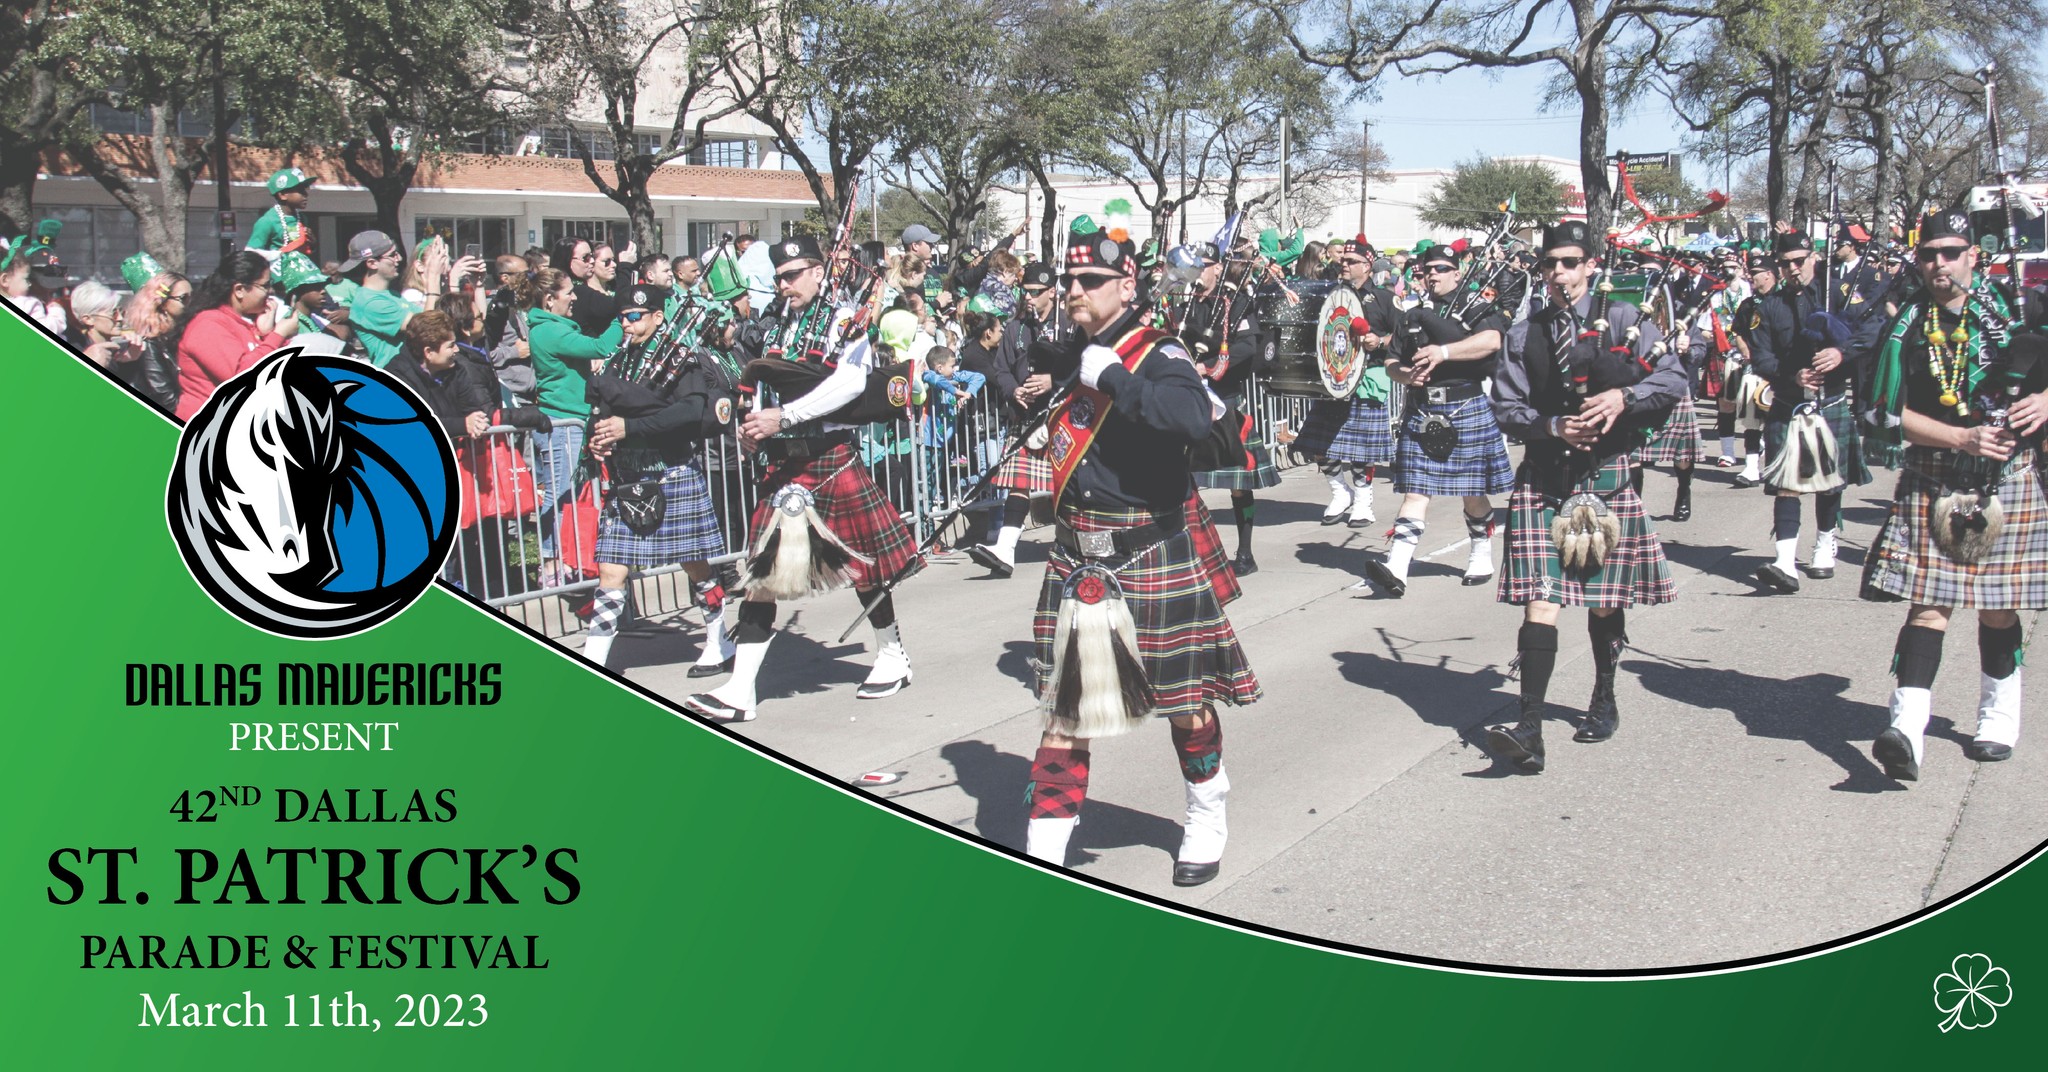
[{"x": 562, "y": 360}]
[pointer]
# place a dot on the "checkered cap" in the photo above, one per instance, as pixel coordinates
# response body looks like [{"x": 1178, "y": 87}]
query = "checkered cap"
[{"x": 1095, "y": 249}]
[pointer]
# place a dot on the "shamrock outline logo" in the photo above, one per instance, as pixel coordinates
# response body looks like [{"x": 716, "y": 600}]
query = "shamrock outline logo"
[{"x": 1974, "y": 988}]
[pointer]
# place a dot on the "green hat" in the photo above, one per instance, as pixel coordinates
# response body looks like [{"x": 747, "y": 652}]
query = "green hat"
[
  {"x": 1084, "y": 225},
  {"x": 295, "y": 270},
  {"x": 1423, "y": 244},
  {"x": 46, "y": 231},
  {"x": 982, "y": 304},
  {"x": 723, "y": 279},
  {"x": 897, "y": 330},
  {"x": 290, "y": 178},
  {"x": 140, "y": 269}
]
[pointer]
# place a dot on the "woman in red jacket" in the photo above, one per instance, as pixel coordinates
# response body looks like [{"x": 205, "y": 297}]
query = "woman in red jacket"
[{"x": 232, "y": 324}]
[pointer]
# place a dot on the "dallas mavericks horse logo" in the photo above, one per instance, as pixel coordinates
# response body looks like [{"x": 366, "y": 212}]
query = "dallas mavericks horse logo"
[{"x": 313, "y": 496}]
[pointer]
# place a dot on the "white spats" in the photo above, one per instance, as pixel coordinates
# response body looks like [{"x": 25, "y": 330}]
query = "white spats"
[
  {"x": 1910, "y": 711},
  {"x": 1479, "y": 563},
  {"x": 1046, "y": 839},
  {"x": 1340, "y": 495},
  {"x": 1206, "y": 830},
  {"x": 598, "y": 648},
  {"x": 891, "y": 671},
  {"x": 1998, "y": 709},
  {"x": 1788, "y": 554},
  {"x": 738, "y": 691},
  {"x": 1825, "y": 547},
  {"x": 1361, "y": 502}
]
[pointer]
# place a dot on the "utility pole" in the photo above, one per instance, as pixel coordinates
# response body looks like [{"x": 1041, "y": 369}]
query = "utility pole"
[
  {"x": 220, "y": 122},
  {"x": 1364, "y": 170},
  {"x": 1283, "y": 176}
]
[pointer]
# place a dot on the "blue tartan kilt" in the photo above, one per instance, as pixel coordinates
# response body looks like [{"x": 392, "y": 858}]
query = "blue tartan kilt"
[
  {"x": 689, "y": 529},
  {"x": 1357, "y": 431},
  {"x": 1478, "y": 465}
]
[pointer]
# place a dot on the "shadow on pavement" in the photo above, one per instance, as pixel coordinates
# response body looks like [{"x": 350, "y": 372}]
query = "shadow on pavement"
[
  {"x": 1809, "y": 709},
  {"x": 997, "y": 781}
]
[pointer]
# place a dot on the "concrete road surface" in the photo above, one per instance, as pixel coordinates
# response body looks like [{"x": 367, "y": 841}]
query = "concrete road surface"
[{"x": 1737, "y": 812}]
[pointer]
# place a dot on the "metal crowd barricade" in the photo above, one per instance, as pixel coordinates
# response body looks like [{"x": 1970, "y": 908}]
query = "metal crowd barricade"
[{"x": 924, "y": 462}]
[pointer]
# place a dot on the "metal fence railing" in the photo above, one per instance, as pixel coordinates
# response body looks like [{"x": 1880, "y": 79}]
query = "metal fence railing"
[{"x": 531, "y": 502}]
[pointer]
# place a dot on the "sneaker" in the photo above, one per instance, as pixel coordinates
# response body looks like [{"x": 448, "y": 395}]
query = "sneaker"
[{"x": 1727, "y": 461}]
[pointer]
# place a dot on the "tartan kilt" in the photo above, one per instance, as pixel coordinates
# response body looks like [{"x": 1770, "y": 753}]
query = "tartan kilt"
[
  {"x": 1356, "y": 431},
  {"x": 1679, "y": 439},
  {"x": 1257, "y": 472},
  {"x": 1191, "y": 654},
  {"x": 1841, "y": 419},
  {"x": 1209, "y": 548},
  {"x": 689, "y": 529},
  {"x": 1026, "y": 471},
  {"x": 1635, "y": 571},
  {"x": 1904, "y": 564},
  {"x": 1478, "y": 465},
  {"x": 851, "y": 506}
]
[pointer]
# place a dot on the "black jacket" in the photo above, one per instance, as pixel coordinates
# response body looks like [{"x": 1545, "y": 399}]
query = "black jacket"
[
  {"x": 452, "y": 395},
  {"x": 1139, "y": 460}
]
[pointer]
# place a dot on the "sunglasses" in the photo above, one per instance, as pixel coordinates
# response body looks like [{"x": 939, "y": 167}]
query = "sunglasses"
[
  {"x": 584, "y": 257},
  {"x": 1091, "y": 281},
  {"x": 1944, "y": 253},
  {"x": 633, "y": 317},
  {"x": 1548, "y": 263},
  {"x": 1440, "y": 269},
  {"x": 791, "y": 275},
  {"x": 1791, "y": 262},
  {"x": 607, "y": 262}
]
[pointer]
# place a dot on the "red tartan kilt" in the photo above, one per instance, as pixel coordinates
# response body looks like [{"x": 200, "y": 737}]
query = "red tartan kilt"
[
  {"x": 1027, "y": 471},
  {"x": 1715, "y": 378},
  {"x": 1208, "y": 544},
  {"x": 851, "y": 506}
]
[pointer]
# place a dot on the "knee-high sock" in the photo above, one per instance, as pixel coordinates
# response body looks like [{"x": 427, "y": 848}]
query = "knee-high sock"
[
  {"x": 1785, "y": 530},
  {"x": 606, "y": 611},
  {"x": 1479, "y": 529},
  {"x": 1537, "y": 644},
  {"x": 1752, "y": 442},
  {"x": 1724, "y": 426},
  {"x": 1016, "y": 509},
  {"x": 1241, "y": 507},
  {"x": 883, "y": 614},
  {"x": 1059, "y": 782},
  {"x": 1609, "y": 634},
  {"x": 1684, "y": 474},
  {"x": 1916, "y": 659},
  {"x": 1407, "y": 538},
  {"x": 1200, "y": 750},
  {"x": 1998, "y": 703},
  {"x": 1827, "y": 512},
  {"x": 1635, "y": 478}
]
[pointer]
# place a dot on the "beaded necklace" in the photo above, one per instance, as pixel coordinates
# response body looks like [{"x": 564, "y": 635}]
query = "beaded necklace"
[{"x": 1949, "y": 354}]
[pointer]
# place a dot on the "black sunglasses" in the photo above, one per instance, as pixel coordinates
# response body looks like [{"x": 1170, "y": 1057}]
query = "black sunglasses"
[
  {"x": 1439, "y": 269},
  {"x": 791, "y": 275},
  {"x": 1945, "y": 253},
  {"x": 1088, "y": 282},
  {"x": 1548, "y": 263},
  {"x": 1791, "y": 262}
]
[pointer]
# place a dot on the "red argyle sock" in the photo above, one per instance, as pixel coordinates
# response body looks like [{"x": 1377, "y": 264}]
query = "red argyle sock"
[
  {"x": 1059, "y": 783},
  {"x": 1199, "y": 750}
]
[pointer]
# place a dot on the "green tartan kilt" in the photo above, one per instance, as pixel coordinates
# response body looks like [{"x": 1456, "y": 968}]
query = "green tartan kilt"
[
  {"x": 1840, "y": 415},
  {"x": 1634, "y": 572}
]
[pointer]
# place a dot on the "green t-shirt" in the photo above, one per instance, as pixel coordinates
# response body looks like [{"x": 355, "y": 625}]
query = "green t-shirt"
[
  {"x": 276, "y": 227},
  {"x": 378, "y": 316}
]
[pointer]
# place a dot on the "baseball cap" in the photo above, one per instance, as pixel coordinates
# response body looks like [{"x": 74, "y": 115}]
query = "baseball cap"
[
  {"x": 918, "y": 232},
  {"x": 290, "y": 178},
  {"x": 364, "y": 245}
]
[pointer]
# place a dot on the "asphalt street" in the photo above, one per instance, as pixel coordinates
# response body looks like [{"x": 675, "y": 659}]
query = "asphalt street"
[{"x": 1737, "y": 812}]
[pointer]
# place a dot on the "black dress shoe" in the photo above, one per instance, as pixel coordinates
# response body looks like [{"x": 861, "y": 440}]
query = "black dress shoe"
[
  {"x": 708, "y": 670},
  {"x": 1818, "y": 573},
  {"x": 1776, "y": 578},
  {"x": 1244, "y": 564},
  {"x": 984, "y": 555},
  {"x": 881, "y": 690},
  {"x": 1521, "y": 745},
  {"x": 1744, "y": 480},
  {"x": 1987, "y": 751},
  {"x": 1683, "y": 510},
  {"x": 1195, "y": 874},
  {"x": 1895, "y": 754},
  {"x": 1336, "y": 518},
  {"x": 1475, "y": 580},
  {"x": 1384, "y": 577},
  {"x": 1361, "y": 522}
]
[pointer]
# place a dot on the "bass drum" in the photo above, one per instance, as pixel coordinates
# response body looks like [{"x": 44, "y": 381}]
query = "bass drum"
[{"x": 1309, "y": 350}]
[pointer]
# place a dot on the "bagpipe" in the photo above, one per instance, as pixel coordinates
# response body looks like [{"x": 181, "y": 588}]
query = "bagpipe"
[{"x": 1485, "y": 286}]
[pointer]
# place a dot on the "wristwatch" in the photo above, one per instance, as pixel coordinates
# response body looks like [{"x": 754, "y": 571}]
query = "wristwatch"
[
  {"x": 1628, "y": 397},
  {"x": 784, "y": 422}
]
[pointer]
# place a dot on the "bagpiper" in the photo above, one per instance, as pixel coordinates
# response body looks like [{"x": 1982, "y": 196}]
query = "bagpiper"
[
  {"x": 821, "y": 522},
  {"x": 1220, "y": 323},
  {"x": 1583, "y": 384},
  {"x": 1025, "y": 391},
  {"x": 1129, "y": 624},
  {"x": 1962, "y": 387},
  {"x": 656, "y": 410},
  {"x": 1802, "y": 351},
  {"x": 1447, "y": 442}
]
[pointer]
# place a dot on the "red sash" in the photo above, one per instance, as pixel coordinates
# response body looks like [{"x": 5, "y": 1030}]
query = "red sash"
[{"x": 1081, "y": 415}]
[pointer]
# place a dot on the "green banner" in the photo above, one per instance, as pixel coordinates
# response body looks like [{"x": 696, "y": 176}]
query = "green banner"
[{"x": 202, "y": 823}]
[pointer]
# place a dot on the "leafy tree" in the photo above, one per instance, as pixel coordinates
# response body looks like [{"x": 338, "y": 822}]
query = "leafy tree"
[
  {"x": 42, "y": 101},
  {"x": 1470, "y": 198},
  {"x": 590, "y": 50}
]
